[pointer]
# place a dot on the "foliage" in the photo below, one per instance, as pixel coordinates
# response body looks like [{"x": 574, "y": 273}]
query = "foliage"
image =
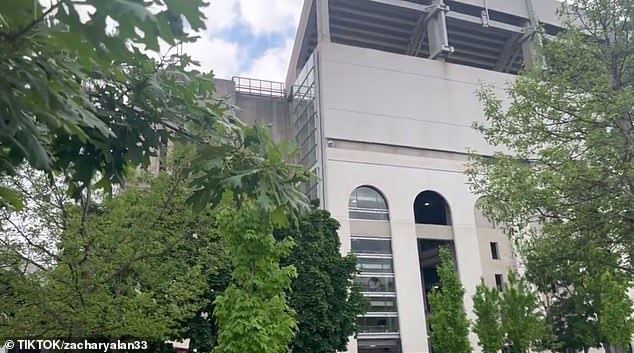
[
  {"x": 486, "y": 307},
  {"x": 201, "y": 328},
  {"x": 253, "y": 313},
  {"x": 615, "y": 316},
  {"x": 563, "y": 186},
  {"x": 122, "y": 267},
  {"x": 564, "y": 276},
  {"x": 448, "y": 320},
  {"x": 569, "y": 135},
  {"x": 82, "y": 96},
  {"x": 521, "y": 322},
  {"x": 324, "y": 295},
  {"x": 78, "y": 95}
]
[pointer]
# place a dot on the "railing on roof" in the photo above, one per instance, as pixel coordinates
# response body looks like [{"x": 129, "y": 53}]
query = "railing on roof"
[{"x": 257, "y": 87}]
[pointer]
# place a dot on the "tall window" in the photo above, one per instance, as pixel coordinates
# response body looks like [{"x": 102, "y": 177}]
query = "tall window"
[
  {"x": 376, "y": 277},
  {"x": 378, "y": 329},
  {"x": 480, "y": 219},
  {"x": 495, "y": 252},
  {"x": 499, "y": 281},
  {"x": 367, "y": 203},
  {"x": 431, "y": 208}
]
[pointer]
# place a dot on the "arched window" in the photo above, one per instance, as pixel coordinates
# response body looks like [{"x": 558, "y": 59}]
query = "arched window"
[
  {"x": 480, "y": 219},
  {"x": 367, "y": 203},
  {"x": 431, "y": 208}
]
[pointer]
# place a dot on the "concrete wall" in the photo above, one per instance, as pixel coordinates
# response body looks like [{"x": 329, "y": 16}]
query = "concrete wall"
[
  {"x": 491, "y": 267},
  {"x": 387, "y": 100},
  {"x": 373, "y": 96},
  {"x": 401, "y": 178},
  {"x": 271, "y": 111}
]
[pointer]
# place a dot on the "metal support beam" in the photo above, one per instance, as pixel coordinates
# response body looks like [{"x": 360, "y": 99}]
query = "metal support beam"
[
  {"x": 437, "y": 32},
  {"x": 404, "y": 4},
  {"x": 420, "y": 29},
  {"x": 511, "y": 49}
]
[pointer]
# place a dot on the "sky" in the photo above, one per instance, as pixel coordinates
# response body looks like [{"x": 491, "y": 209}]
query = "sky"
[{"x": 252, "y": 38}]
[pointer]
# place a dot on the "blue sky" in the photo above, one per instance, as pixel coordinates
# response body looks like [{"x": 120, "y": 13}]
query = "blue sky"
[{"x": 251, "y": 38}]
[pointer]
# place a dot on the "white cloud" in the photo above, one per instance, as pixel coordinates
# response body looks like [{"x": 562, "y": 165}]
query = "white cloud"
[
  {"x": 221, "y": 14},
  {"x": 214, "y": 54},
  {"x": 271, "y": 15},
  {"x": 272, "y": 64}
]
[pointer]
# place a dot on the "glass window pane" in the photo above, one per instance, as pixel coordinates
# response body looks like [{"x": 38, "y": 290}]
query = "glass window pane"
[
  {"x": 371, "y": 246},
  {"x": 367, "y": 198},
  {"x": 377, "y": 284},
  {"x": 372, "y": 215},
  {"x": 382, "y": 304},
  {"x": 388, "y": 324},
  {"x": 379, "y": 345},
  {"x": 352, "y": 202},
  {"x": 375, "y": 265}
]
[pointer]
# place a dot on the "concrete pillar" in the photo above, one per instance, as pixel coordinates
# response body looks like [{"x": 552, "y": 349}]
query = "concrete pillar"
[
  {"x": 323, "y": 21},
  {"x": 468, "y": 261},
  {"x": 409, "y": 292}
]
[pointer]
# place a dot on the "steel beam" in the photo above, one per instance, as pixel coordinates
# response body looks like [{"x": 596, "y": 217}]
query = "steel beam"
[
  {"x": 404, "y": 4},
  {"x": 511, "y": 49},
  {"x": 437, "y": 32},
  {"x": 420, "y": 29}
]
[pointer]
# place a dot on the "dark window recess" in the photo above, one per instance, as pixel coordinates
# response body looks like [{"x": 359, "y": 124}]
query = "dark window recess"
[
  {"x": 495, "y": 254},
  {"x": 498, "y": 282},
  {"x": 431, "y": 208},
  {"x": 379, "y": 346},
  {"x": 381, "y": 246}
]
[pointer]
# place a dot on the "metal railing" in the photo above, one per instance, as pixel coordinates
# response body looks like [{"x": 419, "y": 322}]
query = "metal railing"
[{"x": 255, "y": 87}]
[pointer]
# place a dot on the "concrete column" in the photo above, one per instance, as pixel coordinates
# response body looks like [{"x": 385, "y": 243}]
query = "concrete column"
[
  {"x": 323, "y": 21},
  {"x": 409, "y": 292},
  {"x": 468, "y": 260}
]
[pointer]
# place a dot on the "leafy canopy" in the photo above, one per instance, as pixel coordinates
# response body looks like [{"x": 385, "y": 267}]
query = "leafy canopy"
[
  {"x": 487, "y": 325},
  {"x": 130, "y": 266},
  {"x": 253, "y": 312},
  {"x": 81, "y": 96},
  {"x": 324, "y": 295},
  {"x": 448, "y": 320},
  {"x": 568, "y": 133}
]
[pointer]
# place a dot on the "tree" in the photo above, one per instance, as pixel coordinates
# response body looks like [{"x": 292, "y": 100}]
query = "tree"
[
  {"x": 85, "y": 95},
  {"x": 253, "y": 312},
  {"x": 448, "y": 320},
  {"x": 79, "y": 96},
  {"x": 565, "y": 276},
  {"x": 486, "y": 307},
  {"x": 123, "y": 267},
  {"x": 569, "y": 135},
  {"x": 615, "y": 316},
  {"x": 521, "y": 322},
  {"x": 324, "y": 295}
]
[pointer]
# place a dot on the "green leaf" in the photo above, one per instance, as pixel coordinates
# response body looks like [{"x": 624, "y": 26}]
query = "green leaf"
[{"x": 12, "y": 198}]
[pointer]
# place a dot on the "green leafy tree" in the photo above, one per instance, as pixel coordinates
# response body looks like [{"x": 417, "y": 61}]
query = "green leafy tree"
[
  {"x": 563, "y": 274},
  {"x": 521, "y": 321},
  {"x": 123, "y": 267},
  {"x": 253, "y": 312},
  {"x": 86, "y": 94},
  {"x": 324, "y": 295},
  {"x": 569, "y": 136},
  {"x": 487, "y": 325},
  {"x": 79, "y": 96},
  {"x": 448, "y": 320},
  {"x": 615, "y": 316}
]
